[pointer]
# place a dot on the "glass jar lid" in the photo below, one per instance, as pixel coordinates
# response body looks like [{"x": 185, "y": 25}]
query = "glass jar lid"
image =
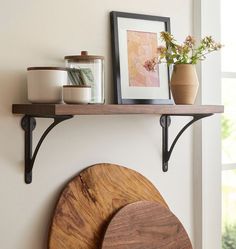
[{"x": 84, "y": 56}]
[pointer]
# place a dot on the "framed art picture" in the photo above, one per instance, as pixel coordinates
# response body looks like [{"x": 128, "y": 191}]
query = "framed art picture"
[{"x": 135, "y": 39}]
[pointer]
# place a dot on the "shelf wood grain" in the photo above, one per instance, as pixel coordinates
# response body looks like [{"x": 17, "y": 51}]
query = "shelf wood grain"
[{"x": 64, "y": 109}]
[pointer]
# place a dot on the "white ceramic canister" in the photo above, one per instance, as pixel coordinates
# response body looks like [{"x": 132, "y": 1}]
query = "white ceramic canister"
[
  {"x": 45, "y": 84},
  {"x": 73, "y": 94}
]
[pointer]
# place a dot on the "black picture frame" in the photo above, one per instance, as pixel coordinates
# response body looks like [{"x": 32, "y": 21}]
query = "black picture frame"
[{"x": 114, "y": 16}]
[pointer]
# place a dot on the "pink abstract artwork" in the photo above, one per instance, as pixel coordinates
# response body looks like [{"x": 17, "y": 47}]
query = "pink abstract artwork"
[{"x": 142, "y": 46}]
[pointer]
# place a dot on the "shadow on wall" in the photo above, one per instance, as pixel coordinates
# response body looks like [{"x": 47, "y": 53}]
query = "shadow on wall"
[{"x": 13, "y": 89}]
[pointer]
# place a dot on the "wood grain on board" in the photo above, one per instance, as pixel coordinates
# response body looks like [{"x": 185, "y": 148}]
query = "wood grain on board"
[
  {"x": 145, "y": 225},
  {"x": 64, "y": 109},
  {"x": 88, "y": 202}
]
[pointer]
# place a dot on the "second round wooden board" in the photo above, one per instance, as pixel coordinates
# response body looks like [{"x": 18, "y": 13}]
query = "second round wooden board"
[
  {"x": 88, "y": 202},
  {"x": 145, "y": 225}
]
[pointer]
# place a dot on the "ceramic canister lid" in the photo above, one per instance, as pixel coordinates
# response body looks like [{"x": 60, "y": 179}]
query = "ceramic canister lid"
[{"x": 84, "y": 56}]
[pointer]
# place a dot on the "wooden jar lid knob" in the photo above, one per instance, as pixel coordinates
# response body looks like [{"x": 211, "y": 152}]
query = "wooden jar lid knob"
[{"x": 84, "y": 53}]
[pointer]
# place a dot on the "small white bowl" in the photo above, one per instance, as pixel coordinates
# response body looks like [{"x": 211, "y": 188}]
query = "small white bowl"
[{"x": 73, "y": 94}]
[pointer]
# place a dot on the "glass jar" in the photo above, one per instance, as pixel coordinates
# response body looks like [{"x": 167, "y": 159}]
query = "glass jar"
[{"x": 91, "y": 70}]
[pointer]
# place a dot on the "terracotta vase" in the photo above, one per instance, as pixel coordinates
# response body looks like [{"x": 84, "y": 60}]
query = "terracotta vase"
[{"x": 184, "y": 84}]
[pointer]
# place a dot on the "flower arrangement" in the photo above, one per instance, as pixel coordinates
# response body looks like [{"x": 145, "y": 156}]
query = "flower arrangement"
[{"x": 186, "y": 53}]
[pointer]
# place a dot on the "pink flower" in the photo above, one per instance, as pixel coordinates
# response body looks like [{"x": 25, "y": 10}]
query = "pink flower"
[
  {"x": 190, "y": 41},
  {"x": 161, "y": 50},
  {"x": 180, "y": 49}
]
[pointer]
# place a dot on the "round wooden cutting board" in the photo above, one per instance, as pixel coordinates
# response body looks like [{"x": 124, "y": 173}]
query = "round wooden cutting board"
[
  {"x": 88, "y": 202},
  {"x": 145, "y": 225}
]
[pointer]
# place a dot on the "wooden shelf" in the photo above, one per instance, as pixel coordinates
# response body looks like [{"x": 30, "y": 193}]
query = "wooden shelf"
[
  {"x": 63, "y": 109},
  {"x": 62, "y": 112}
]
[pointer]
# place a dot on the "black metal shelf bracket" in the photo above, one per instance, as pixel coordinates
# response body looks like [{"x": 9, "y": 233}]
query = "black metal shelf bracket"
[
  {"x": 28, "y": 123},
  {"x": 165, "y": 122}
]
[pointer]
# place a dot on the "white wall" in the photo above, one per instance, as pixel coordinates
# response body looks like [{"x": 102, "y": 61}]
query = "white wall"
[{"x": 37, "y": 33}]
